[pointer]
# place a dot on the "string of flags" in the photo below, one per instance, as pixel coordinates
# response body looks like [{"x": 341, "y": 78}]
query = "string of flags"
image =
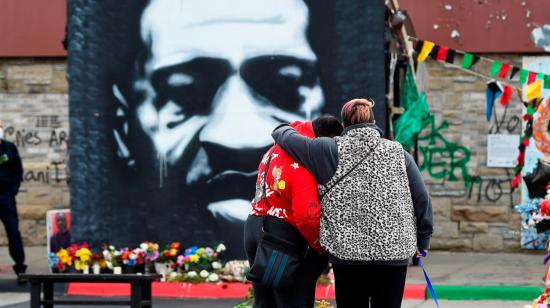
[
  {"x": 532, "y": 107},
  {"x": 498, "y": 69}
]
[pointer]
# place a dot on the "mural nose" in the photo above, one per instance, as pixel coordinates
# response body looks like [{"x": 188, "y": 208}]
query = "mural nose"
[{"x": 239, "y": 120}]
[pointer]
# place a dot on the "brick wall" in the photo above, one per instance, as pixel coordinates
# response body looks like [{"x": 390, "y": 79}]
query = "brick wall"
[
  {"x": 469, "y": 216},
  {"x": 34, "y": 108}
]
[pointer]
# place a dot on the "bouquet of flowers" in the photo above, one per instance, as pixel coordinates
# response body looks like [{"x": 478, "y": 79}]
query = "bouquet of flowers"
[
  {"x": 112, "y": 257},
  {"x": 64, "y": 261},
  {"x": 132, "y": 257},
  {"x": 169, "y": 254},
  {"x": 83, "y": 258}
]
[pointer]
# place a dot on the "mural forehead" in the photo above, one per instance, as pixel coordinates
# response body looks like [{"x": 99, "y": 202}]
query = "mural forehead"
[{"x": 233, "y": 30}]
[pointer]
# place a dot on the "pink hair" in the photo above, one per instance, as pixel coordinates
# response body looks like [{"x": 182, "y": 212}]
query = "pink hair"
[{"x": 357, "y": 111}]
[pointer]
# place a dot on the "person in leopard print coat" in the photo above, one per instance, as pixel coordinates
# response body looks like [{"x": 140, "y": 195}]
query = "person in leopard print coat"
[{"x": 376, "y": 211}]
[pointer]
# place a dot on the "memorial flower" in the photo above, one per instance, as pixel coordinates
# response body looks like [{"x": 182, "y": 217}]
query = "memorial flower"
[{"x": 83, "y": 257}]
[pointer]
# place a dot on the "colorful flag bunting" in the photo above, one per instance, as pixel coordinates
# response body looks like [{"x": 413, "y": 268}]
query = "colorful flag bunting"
[
  {"x": 540, "y": 76},
  {"x": 418, "y": 46},
  {"x": 495, "y": 68},
  {"x": 467, "y": 60},
  {"x": 442, "y": 53},
  {"x": 532, "y": 77},
  {"x": 533, "y": 90},
  {"x": 506, "y": 95},
  {"x": 494, "y": 90},
  {"x": 450, "y": 56},
  {"x": 515, "y": 70},
  {"x": 503, "y": 70},
  {"x": 433, "y": 53},
  {"x": 523, "y": 74},
  {"x": 425, "y": 50}
]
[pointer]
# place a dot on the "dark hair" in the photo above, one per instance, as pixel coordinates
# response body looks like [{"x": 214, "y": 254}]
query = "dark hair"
[
  {"x": 327, "y": 126},
  {"x": 357, "y": 111}
]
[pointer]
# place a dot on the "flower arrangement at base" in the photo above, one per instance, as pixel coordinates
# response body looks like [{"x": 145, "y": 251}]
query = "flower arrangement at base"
[
  {"x": 83, "y": 259},
  {"x": 235, "y": 271},
  {"x": 543, "y": 300},
  {"x": 151, "y": 251},
  {"x": 195, "y": 264},
  {"x": 133, "y": 261},
  {"x": 112, "y": 257}
]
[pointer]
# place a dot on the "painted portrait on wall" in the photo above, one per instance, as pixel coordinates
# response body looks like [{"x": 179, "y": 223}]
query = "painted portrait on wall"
[{"x": 175, "y": 102}]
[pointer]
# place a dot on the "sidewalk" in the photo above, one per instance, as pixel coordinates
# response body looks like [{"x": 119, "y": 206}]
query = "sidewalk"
[{"x": 457, "y": 273}]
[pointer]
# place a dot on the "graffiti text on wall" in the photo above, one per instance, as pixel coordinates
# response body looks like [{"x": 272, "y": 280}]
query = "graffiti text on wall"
[
  {"x": 54, "y": 172},
  {"x": 443, "y": 158},
  {"x": 28, "y": 138}
]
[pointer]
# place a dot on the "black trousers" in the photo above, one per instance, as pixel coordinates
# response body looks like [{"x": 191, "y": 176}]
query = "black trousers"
[
  {"x": 303, "y": 292},
  {"x": 8, "y": 215},
  {"x": 382, "y": 284}
]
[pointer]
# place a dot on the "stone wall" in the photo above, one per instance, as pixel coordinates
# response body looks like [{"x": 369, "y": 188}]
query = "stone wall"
[
  {"x": 470, "y": 215},
  {"x": 34, "y": 108},
  {"x": 474, "y": 210}
]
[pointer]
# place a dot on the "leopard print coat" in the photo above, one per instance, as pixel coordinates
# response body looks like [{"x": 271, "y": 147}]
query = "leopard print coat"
[{"x": 368, "y": 215}]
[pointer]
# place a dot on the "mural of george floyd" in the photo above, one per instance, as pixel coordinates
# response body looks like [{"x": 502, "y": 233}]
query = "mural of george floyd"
[{"x": 172, "y": 103}]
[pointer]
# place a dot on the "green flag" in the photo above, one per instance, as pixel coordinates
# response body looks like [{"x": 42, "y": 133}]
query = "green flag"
[
  {"x": 523, "y": 74},
  {"x": 467, "y": 60},
  {"x": 412, "y": 121},
  {"x": 409, "y": 92},
  {"x": 495, "y": 68},
  {"x": 540, "y": 76},
  {"x": 547, "y": 81}
]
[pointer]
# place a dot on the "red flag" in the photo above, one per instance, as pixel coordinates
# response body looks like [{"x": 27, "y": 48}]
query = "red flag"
[
  {"x": 442, "y": 53},
  {"x": 506, "y": 95},
  {"x": 503, "y": 70},
  {"x": 532, "y": 77},
  {"x": 517, "y": 180}
]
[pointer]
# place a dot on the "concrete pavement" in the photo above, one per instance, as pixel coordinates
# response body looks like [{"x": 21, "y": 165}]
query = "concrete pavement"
[{"x": 460, "y": 269}]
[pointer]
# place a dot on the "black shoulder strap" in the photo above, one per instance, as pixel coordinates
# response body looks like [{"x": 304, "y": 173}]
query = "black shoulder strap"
[{"x": 349, "y": 171}]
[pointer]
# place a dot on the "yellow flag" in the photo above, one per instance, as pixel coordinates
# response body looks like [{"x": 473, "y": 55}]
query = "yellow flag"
[
  {"x": 426, "y": 49},
  {"x": 534, "y": 90}
]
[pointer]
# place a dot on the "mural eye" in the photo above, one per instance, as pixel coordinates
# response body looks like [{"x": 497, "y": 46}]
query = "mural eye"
[
  {"x": 291, "y": 71},
  {"x": 179, "y": 79},
  {"x": 191, "y": 85},
  {"x": 279, "y": 79}
]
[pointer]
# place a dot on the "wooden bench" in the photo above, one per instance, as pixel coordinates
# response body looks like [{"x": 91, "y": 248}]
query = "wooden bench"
[{"x": 140, "y": 295}]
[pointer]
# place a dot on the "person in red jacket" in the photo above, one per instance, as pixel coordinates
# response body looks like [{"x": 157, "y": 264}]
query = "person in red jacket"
[{"x": 290, "y": 209}]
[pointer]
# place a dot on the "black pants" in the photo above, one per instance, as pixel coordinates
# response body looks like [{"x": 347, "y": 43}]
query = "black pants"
[
  {"x": 383, "y": 284},
  {"x": 303, "y": 292},
  {"x": 8, "y": 215}
]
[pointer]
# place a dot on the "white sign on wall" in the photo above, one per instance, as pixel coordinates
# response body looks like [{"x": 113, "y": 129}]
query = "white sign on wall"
[{"x": 502, "y": 150}]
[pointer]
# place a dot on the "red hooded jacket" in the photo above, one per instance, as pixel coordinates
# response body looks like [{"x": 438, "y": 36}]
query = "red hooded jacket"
[{"x": 291, "y": 191}]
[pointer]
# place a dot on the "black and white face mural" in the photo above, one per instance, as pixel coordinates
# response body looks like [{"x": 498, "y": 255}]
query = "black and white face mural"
[
  {"x": 213, "y": 85},
  {"x": 193, "y": 98}
]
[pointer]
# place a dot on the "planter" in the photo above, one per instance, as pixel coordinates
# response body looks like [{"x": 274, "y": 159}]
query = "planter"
[{"x": 86, "y": 269}]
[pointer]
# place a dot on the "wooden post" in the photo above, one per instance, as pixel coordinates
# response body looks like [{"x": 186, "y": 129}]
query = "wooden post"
[{"x": 408, "y": 45}]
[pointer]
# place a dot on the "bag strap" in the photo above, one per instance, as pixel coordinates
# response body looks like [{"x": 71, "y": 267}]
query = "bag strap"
[{"x": 349, "y": 171}]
